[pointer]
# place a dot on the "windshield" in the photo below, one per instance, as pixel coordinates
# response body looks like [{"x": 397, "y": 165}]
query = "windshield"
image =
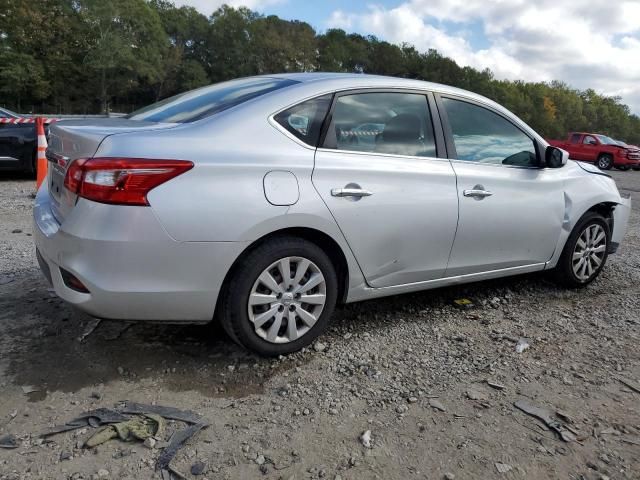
[
  {"x": 606, "y": 140},
  {"x": 206, "y": 101},
  {"x": 4, "y": 113}
]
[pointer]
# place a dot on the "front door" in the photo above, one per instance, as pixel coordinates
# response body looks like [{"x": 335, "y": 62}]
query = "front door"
[
  {"x": 511, "y": 211},
  {"x": 392, "y": 197}
]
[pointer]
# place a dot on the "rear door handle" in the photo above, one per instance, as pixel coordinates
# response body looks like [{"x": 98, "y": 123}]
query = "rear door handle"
[
  {"x": 477, "y": 193},
  {"x": 350, "y": 192}
]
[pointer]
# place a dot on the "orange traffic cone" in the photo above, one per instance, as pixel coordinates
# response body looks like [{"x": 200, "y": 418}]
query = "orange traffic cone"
[{"x": 41, "y": 166}]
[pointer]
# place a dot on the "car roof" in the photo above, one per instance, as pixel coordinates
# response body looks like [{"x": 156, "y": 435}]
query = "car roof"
[
  {"x": 317, "y": 82},
  {"x": 356, "y": 80}
]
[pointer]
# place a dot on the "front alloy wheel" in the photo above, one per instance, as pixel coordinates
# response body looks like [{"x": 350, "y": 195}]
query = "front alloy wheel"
[
  {"x": 585, "y": 253},
  {"x": 589, "y": 251},
  {"x": 287, "y": 299}
]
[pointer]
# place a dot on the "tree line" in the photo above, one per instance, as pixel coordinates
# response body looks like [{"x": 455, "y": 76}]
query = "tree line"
[{"x": 92, "y": 56}]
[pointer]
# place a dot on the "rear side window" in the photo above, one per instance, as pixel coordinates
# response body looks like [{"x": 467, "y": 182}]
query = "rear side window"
[
  {"x": 393, "y": 123},
  {"x": 207, "y": 101},
  {"x": 575, "y": 138},
  {"x": 483, "y": 136},
  {"x": 304, "y": 120}
]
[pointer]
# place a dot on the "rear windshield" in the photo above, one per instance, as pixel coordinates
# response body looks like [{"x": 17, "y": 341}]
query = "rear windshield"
[{"x": 206, "y": 101}]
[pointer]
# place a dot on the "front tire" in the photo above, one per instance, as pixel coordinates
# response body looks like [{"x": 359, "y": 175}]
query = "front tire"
[
  {"x": 605, "y": 162},
  {"x": 585, "y": 252},
  {"x": 280, "y": 296}
]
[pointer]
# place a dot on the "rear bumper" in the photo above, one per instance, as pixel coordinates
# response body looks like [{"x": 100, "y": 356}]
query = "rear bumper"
[{"x": 132, "y": 268}]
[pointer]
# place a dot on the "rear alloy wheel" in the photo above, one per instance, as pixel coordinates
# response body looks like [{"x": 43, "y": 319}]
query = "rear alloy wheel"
[
  {"x": 585, "y": 252},
  {"x": 287, "y": 299},
  {"x": 605, "y": 162},
  {"x": 280, "y": 297}
]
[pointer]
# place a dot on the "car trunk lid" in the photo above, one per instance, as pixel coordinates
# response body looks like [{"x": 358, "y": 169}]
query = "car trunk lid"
[{"x": 70, "y": 140}]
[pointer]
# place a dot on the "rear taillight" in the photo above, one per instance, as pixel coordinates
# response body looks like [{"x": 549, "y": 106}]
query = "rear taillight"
[{"x": 121, "y": 181}]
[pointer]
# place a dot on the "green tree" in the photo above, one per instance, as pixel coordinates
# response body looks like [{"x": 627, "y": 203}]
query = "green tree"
[{"x": 127, "y": 44}]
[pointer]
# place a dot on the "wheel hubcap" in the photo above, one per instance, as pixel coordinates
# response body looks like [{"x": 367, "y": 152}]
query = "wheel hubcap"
[
  {"x": 287, "y": 299},
  {"x": 589, "y": 251}
]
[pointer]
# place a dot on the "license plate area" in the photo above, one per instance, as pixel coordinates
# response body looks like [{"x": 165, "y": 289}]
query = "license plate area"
[{"x": 57, "y": 181}]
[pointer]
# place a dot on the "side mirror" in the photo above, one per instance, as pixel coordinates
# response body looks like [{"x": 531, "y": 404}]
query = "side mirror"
[{"x": 555, "y": 157}]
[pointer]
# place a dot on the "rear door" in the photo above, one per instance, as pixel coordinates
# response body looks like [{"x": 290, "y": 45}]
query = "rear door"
[
  {"x": 381, "y": 172},
  {"x": 511, "y": 210}
]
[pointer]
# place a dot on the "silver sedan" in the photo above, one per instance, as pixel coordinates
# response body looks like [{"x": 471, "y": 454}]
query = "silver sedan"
[{"x": 263, "y": 202}]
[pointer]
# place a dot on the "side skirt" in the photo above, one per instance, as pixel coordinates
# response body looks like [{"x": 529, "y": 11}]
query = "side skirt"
[{"x": 365, "y": 293}]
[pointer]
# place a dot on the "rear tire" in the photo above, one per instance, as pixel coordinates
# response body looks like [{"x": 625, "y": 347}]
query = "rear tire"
[
  {"x": 266, "y": 312},
  {"x": 585, "y": 253},
  {"x": 605, "y": 162}
]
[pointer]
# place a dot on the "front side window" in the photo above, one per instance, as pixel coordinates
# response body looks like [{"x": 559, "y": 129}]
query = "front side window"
[
  {"x": 207, "y": 101},
  {"x": 304, "y": 120},
  {"x": 483, "y": 136},
  {"x": 589, "y": 140},
  {"x": 606, "y": 140},
  {"x": 392, "y": 123}
]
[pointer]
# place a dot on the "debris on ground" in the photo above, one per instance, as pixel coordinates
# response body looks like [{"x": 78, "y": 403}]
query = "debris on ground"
[
  {"x": 93, "y": 418},
  {"x": 89, "y": 329},
  {"x": 497, "y": 386},
  {"x": 435, "y": 403},
  {"x": 503, "y": 467},
  {"x": 198, "y": 468},
  {"x": 462, "y": 303},
  {"x": 136, "y": 421},
  {"x": 170, "y": 413},
  {"x": 545, "y": 416},
  {"x": 476, "y": 395},
  {"x": 632, "y": 385},
  {"x": 178, "y": 439},
  {"x": 27, "y": 389},
  {"x": 365, "y": 439},
  {"x": 8, "y": 441},
  {"x": 522, "y": 345},
  {"x": 138, "y": 428}
]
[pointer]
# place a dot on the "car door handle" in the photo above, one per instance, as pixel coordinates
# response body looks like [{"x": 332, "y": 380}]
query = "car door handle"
[
  {"x": 350, "y": 192},
  {"x": 477, "y": 193}
]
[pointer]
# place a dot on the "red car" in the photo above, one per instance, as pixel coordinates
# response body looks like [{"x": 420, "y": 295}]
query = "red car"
[{"x": 599, "y": 149}]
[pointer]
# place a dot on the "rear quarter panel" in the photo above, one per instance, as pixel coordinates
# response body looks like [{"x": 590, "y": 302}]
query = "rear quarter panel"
[{"x": 222, "y": 198}]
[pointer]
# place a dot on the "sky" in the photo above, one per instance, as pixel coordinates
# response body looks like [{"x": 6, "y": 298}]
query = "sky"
[{"x": 587, "y": 44}]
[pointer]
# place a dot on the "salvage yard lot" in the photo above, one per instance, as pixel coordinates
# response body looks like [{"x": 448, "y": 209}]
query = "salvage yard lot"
[{"x": 413, "y": 370}]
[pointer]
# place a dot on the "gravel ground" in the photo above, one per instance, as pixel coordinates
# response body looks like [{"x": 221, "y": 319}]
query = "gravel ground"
[{"x": 413, "y": 370}]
